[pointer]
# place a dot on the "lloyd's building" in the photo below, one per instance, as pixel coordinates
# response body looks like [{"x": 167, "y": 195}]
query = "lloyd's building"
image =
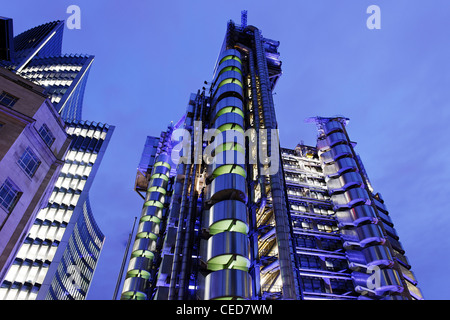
[
  {"x": 229, "y": 214},
  {"x": 56, "y": 257}
]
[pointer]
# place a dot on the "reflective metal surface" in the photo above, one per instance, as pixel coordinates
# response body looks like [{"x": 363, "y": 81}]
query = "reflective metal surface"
[
  {"x": 228, "y": 186},
  {"x": 228, "y": 284}
]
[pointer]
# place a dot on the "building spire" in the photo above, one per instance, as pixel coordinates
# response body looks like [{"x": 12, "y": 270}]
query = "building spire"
[{"x": 243, "y": 18}]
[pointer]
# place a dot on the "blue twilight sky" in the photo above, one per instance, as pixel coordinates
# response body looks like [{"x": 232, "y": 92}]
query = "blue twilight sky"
[{"x": 392, "y": 83}]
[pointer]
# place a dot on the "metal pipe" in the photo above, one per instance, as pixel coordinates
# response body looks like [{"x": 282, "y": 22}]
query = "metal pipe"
[
  {"x": 278, "y": 199},
  {"x": 254, "y": 234},
  {"x": 122, "y": 267},
  {"x": 181, "y": 218},
  {"x": 189, "y": 223}
]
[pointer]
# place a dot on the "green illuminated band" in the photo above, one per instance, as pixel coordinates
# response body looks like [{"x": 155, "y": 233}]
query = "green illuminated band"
[
  {"x": 230, "y": 110},
  {"x": 161, "y": 163},
  {"x": 229, "y": 168},
  {"x": 159, "y": 176},
  {"x": 232, "y": 225},
  {"x": 230, "y": 126},
  {"x": 154, "y": 203},
  {"x": 139, "y": 273},
  {"x": 229, "y": 80},
  {"x": 232, "y": 68},
  {"x": 230, "y": 57},
  {"x": 143, "y": 253},
  {"x": 228, "y": 261},
  {"x": 157, "y": 189}
]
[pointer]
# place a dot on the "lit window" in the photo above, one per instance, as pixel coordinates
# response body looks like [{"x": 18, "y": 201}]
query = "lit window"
[
  {"x": 29, "y": 162},
  {"x": 9, "y": 195},
  {"x": 7, "y": 99},
  {"x": 46, "y": 135}
]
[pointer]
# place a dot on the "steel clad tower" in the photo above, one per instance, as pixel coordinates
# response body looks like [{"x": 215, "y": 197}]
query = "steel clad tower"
[{"x": 228, "y": 214}]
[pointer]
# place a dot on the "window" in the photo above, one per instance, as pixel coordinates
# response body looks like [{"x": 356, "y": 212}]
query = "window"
[
  {"x": 46, "y": 135},
  {"x": 313, "y": 285},
  {"x": 310, "y": 262},
  {"x": 7, "y": 99},
  {"x": 29, "y": 162},
  {"x": 9, "y": 195}
]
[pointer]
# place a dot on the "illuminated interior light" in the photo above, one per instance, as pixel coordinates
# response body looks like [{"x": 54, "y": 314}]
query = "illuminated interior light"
[
  {"x": 150, "y": 218},
  {"x": 134, "y": 295},
  {"x": 230, "y": 80},
  {"x": 157, "y": 189},
  {"x": 230, "y": 57},
  {"x": 233, "y": 68},
  {"x": 153, "y": 203},
  {"x": 231, "y": 126},
  {"x": 143, "y": 253},
  {"x": 161, "y": 163},
  {"x": 229, "y": 168},
  {"x": 228, "y": 261},
  {"x": 230, "y": 109},
  {"x": 159, "y": 176},
  {"x": 228, "y": 225},
  {"x": 138, "y": 273}
]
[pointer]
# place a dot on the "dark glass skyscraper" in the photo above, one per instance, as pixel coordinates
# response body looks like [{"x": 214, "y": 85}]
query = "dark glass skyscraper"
[
  {"x": 228, "y": 214},
  {"x": 58, "y": 257}
]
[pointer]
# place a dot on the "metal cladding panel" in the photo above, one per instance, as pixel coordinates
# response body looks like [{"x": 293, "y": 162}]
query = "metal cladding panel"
[
  {"x": 152, "y": 211},
  {"x": 333, "y": 126},
  {"x": 229, "y": 52},
  {"x": 145, "y": 244},
  {"x": 224, "y": 210},
  {"x": 387, "y": 281},
  {"x": 139, "y": 263},
  {"x": 231, "y": 74},
  {"x": 229, "y": 89},
  {"x": 148, "y": 227},
  {"x": 335, "y": 139},
  {"x": 227, "y": 102},
  {"x": 135, "y": 284},
  {"x": 337, "y": 152},
  {"x": 378, "y": 255},
  {"x": 228, "y": 283},
  {"x": 158, "y": 182},
  {"x": 356, "y": 216},
  {"x": 155, "y": 196},
  {"x": 344, "y": 182},
  {"x": 228, "y": 186},
  {"x": 231, "y": 63},
  {"x": 363, "y": 235},
  {"x": 349, "y": 198},
  {"x": 340, "y": 166},
  {"x": 227, "y": 243},
  {"x": 229, "y": 117},
  {"x": 161, "y": 170}
]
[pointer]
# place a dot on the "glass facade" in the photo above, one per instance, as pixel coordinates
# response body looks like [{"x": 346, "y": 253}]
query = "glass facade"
[
  {"x": 64, "y": 235},
  {"x": 75, "y": 272},
  {"x": 58, "y": 257}
]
